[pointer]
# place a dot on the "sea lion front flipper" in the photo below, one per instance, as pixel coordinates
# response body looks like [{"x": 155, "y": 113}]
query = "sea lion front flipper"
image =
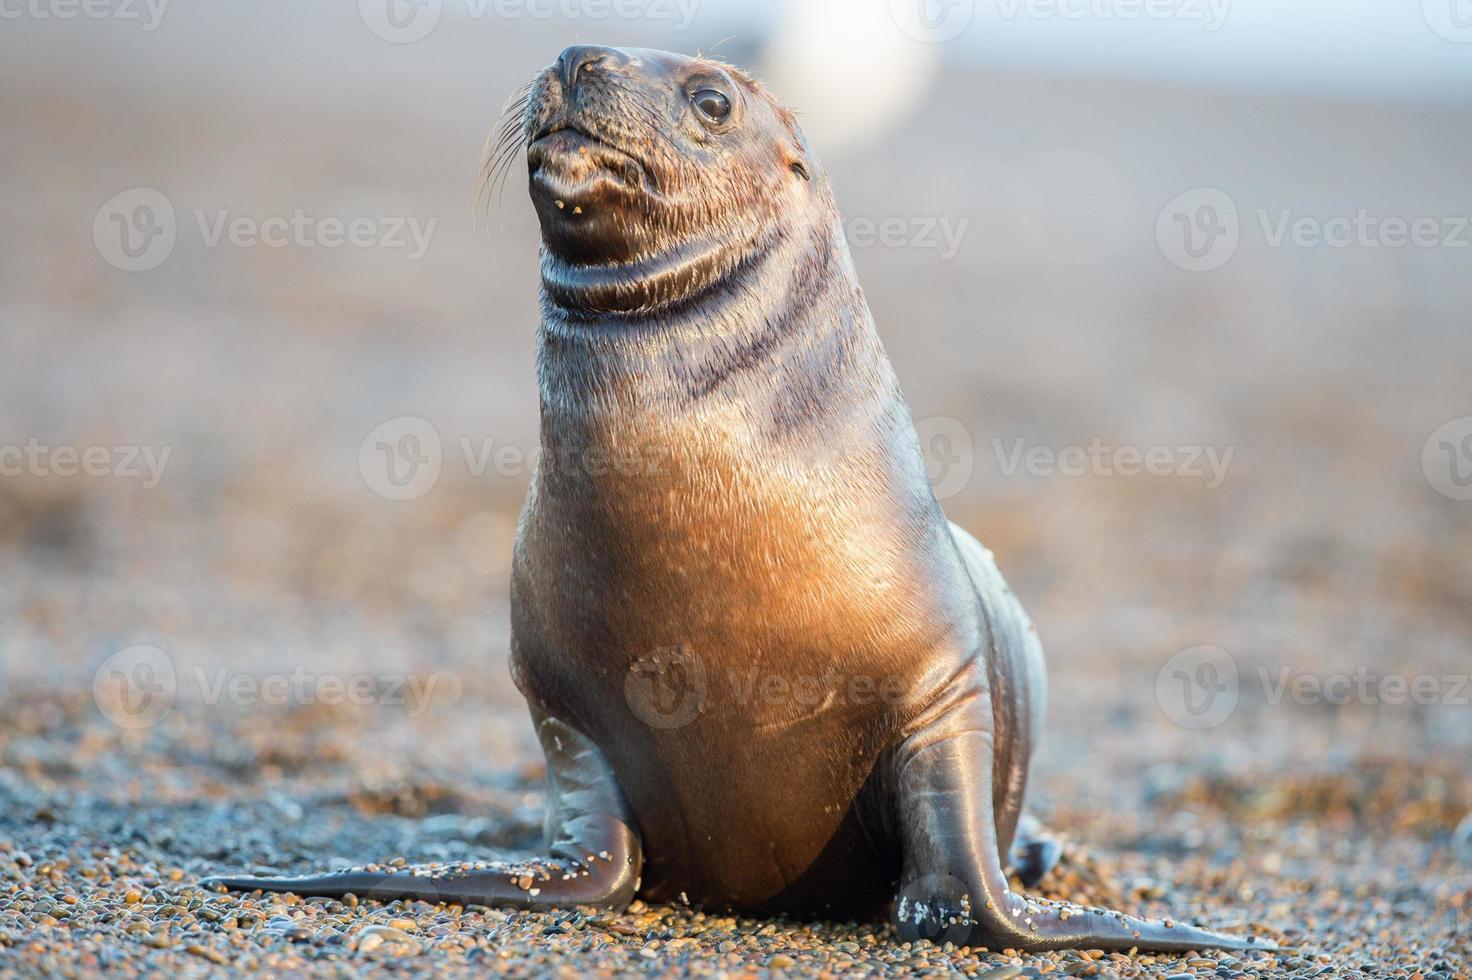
[
  {"x": 953, "y": 888},
  {"x": 594, "y": 855}
]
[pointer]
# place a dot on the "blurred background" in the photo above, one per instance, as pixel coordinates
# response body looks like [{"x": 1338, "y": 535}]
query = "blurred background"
[{"x": 236, "y": 240}]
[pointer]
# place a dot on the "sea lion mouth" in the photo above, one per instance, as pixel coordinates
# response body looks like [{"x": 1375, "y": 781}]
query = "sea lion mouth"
[{"x": 588, "y": 193}]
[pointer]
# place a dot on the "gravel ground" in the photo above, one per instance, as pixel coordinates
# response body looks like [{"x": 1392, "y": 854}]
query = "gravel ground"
[
  {"x": 107, "y": 833},
  {"x": 262, "y": 567}
]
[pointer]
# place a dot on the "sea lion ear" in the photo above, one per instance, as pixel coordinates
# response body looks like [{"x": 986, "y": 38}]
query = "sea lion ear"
[{"x": 796, "y": 149}]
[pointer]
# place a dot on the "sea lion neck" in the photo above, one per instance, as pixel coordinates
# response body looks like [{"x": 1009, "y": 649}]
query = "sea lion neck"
[
  {"x": 757, "y": 339},
  {"x": 619, "y": 295},
  {"x": 706, "y": 270}
]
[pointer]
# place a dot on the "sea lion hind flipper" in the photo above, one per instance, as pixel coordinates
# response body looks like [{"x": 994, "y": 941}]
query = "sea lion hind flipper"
[
  {"x": 594, "y": 855},
  {"x": 1035, "y": 852},
  {"x": 953, "y": 888}
]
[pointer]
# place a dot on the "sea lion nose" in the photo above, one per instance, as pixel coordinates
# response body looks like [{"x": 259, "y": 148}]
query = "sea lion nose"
[{"x": 587, "y": 57}]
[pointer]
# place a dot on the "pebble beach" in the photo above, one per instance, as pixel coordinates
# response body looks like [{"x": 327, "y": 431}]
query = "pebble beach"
[
  {"x": 101, "y": 874},
  {"x": 319, "y": 662}
]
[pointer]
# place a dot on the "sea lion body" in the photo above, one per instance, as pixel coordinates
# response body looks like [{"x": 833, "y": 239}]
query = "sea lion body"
[
  {"x": 799, "y": 559},
  {"x": 767, "y": 673}
]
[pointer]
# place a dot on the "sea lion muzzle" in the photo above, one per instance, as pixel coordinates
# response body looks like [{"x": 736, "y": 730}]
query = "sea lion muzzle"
[{"x": 579, "y": 58}]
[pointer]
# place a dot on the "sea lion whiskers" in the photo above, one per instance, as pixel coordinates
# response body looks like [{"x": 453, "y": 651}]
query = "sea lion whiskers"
[
  {"x": 500, "y": 157},
  {"x": 503, "y": 143}
]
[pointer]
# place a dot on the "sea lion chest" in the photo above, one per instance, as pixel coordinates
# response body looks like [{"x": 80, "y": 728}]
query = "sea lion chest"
[{"x": 728, "y": 614}]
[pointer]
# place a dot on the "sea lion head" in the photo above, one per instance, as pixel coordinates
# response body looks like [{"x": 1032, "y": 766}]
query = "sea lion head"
[{"x": 657, "y": 177}]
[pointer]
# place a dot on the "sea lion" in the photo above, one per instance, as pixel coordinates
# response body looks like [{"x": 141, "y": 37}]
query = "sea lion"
[{"x": 767, "y": 672}]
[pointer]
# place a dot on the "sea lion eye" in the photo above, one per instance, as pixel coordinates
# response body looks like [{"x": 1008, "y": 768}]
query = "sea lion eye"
[{"x": 712, "y": 104}]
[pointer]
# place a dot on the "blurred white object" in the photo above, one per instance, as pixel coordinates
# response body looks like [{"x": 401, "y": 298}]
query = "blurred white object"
[{"x": 847, "y": 69}]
